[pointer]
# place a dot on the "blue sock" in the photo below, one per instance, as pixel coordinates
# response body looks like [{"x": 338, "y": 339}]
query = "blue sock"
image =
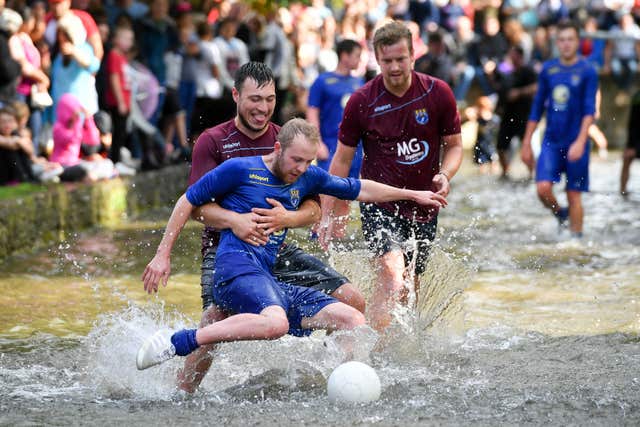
[{"x": 184, "y": 341}]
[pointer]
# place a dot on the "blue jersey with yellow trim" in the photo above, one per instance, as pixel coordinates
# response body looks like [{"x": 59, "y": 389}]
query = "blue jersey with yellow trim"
[
  {"x": 241, "y": 184},
  {"x": 568, "y": 92}
]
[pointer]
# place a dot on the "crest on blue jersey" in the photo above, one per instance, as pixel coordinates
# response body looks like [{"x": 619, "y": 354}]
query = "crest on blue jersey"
[
  {"x": 294, "y": 195},
  {"x": 422, "y": 117},
  {"x": 575, "y": 79}
]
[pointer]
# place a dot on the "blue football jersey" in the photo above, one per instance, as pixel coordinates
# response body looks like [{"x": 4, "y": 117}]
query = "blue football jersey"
[{"x": 241, "y": 184}]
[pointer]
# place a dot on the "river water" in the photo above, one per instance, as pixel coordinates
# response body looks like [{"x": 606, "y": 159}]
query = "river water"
[{"x": 517, "y": 324}]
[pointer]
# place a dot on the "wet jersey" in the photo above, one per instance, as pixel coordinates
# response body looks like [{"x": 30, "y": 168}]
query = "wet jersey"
[
  {"x": 568, "y": 92},
  {"x": 401, "y": 136},
  {"x": 220, "y": 143},
  {"x": 245, "y": 183}
]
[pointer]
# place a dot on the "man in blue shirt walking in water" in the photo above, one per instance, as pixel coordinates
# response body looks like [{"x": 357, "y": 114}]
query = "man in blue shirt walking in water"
[
  {"x": 244, "y": 285},
  {"x": 567, "y": 90},
  {"x": 327, "y": 98}
]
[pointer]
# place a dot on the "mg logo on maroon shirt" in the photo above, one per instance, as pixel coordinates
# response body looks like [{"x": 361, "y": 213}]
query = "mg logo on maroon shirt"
[{"x": 412, "y": 152}]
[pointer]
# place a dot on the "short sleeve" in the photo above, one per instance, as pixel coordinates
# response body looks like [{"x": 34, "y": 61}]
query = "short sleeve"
[{"x": 351, "y": 128}]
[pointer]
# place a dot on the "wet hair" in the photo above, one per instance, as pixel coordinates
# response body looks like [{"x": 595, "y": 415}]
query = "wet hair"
[
  {"x": 256, "y": 71},
  {"x": 566, "y": 24},
  {"x": 347, "y": 46},
  {"x": 295, "y": 127},
  {"x": 390, "y": 34}
]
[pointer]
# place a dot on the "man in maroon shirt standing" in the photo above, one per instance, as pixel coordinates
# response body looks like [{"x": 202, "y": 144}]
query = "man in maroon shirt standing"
[
  {"x": 250, "y": 133},
  {"x": 407, "y": 122}
]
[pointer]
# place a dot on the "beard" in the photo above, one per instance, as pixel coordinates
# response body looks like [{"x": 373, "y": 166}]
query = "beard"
[{"x": 246, "y": 124}]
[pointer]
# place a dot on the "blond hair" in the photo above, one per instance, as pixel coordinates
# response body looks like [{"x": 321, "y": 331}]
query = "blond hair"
[{"x": 295, "y": 127}]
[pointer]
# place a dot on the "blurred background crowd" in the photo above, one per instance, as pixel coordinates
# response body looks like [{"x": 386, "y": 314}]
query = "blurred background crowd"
[{"x": 95, "y": 89}]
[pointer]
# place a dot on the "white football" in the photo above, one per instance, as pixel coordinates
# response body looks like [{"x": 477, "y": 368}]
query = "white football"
[{"x": 353, "y": 382}]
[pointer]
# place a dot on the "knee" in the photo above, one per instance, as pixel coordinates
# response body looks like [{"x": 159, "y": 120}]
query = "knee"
[
  {"x": 276, "y": 327},
  {"x": 349, "y": 318},
  {"x": 574, "y": 197},
  {"x": 351, "y": 296},
  {"x": 355, "y": 319},
  {"x": 544, "y": 190}
]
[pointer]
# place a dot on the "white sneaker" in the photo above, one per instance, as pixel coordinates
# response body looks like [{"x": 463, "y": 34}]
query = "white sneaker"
[
  {"x": 124, "y": 170},
  {"x": 155, "y": 350}
]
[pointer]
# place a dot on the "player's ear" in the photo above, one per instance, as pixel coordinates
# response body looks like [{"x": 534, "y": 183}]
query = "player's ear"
[
  {"x": 277, "y": 147},
  {"x": 235, "y": 94}
]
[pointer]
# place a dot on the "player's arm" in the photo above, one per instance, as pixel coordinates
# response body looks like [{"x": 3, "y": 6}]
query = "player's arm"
[
  {"x": 451, "y": 161},
  {"x": 278, "y": 218},
  {"x": 340, "y": 166},
  {"x": 376, "y": 192},
  {"x": 205, "y": 158},
  {"x": 160, "y": 266},
  {"x": 537, "y": 108},
  {"x": 576, "y": 150}
]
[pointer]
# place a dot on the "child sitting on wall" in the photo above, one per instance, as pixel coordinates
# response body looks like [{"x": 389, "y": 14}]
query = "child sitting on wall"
[{"x": 73, "y": 128}]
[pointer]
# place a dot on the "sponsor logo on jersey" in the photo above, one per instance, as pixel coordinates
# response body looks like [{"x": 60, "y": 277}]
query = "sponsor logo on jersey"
[
  {"x": 331, "y": 80},
  {"x": 258, "y": 177},
  {"x": 421, "y": 115},
  {"x": 382, "y": 108},
  {"x": 232, "y": 145},
  {"x": 294, "y": 195},
  {"x": 560, "y": 96},
  {"x": 412, "y": 152}
]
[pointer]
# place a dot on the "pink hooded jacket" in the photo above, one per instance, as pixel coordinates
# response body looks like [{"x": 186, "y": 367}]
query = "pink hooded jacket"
[{"x": 70, "y": 134}]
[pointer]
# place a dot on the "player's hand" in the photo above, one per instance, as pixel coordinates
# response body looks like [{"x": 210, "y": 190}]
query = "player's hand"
[
  {"x": 247, "y": 228},
  {"x": 527, "y": 155},
  {"x": 576, "y": 150},
  {"x": 441, "y": 184},
  {"x": 158, "y": 270},
  {"x": 274, "y": 219},
  {"x": 429, "y": 198},
  {"x": 325, "y": 232}
]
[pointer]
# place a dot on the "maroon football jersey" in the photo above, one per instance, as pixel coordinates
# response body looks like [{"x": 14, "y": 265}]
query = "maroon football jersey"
[
  {"x": 220, "y": 143},
  {"x": 401, "y": 136}
]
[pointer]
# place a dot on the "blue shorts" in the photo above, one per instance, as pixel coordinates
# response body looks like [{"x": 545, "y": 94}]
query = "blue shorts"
[
  {"x": 252, "y": 290},
  {"x": 553, "y": 161}
]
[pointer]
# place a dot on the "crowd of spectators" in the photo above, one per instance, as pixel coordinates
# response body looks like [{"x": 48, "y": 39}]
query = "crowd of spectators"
[{"x": 117, "y": 86}]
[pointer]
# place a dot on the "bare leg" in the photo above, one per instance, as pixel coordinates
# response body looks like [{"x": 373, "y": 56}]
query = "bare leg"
[
  {"x": 627, "y": 157},
  {"x": 545, "y": 194},
  {"x": 389, "y": 288},
  {"x": 504, "y": 157},
  {"x": 576, "y": 212},
  {"x": 197, "y": 363},
  {"x": 270, "y": 324},
  {"x": 169, "y": 132},
  {"x": 333, "y": 317},
  {"x": 181, "y": 128},
  {"x": 350, "y": 295}
]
